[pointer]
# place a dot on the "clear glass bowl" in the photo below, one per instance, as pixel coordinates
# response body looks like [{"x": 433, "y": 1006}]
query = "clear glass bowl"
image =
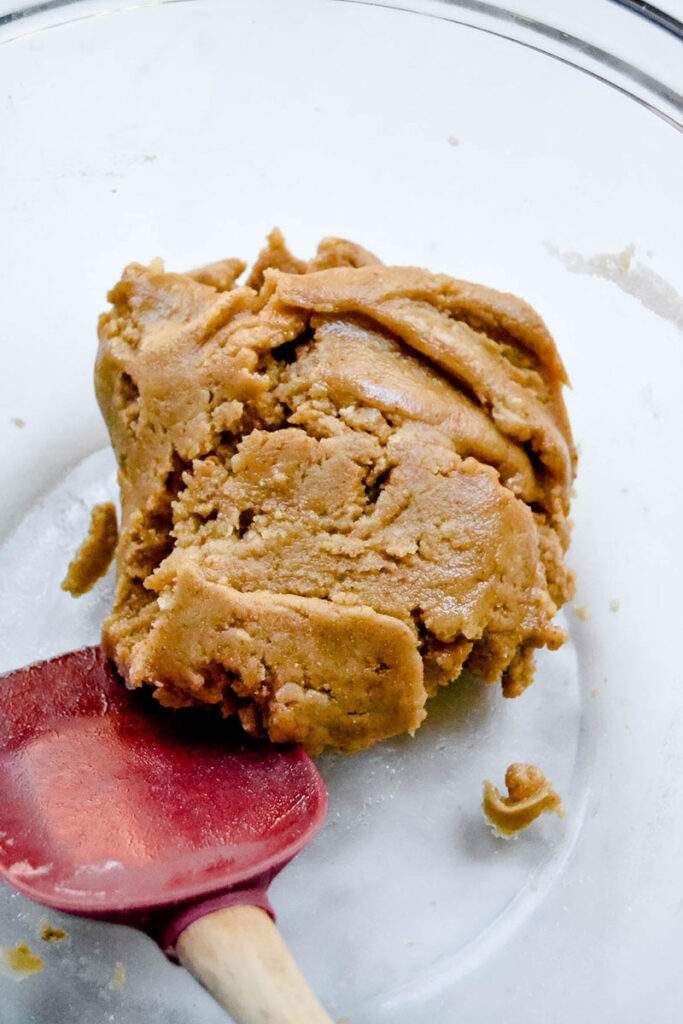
[{"x": 470, "y": 139}]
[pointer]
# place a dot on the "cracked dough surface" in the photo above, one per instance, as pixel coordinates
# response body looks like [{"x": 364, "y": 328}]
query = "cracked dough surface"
[{"x": 341, "y": 483}]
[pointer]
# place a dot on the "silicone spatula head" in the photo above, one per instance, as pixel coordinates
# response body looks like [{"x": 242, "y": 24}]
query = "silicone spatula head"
[{"x": 111, "y": 806}]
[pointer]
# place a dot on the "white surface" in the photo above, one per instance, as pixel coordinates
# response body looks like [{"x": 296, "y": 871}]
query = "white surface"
[{"x": 186, "y": 131}]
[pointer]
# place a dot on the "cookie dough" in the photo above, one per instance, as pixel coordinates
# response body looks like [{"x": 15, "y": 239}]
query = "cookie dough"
[
  {"x": 49, "y": 933},
  {"x": 93, "y": 558},
  {"x": 341, "y": 483},
  {"x": 21, "y": 960},
  {"x": 529, "y": 795}
]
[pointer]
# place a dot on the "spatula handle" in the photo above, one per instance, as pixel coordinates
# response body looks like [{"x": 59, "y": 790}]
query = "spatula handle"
[{"x": 241, "y": 958}]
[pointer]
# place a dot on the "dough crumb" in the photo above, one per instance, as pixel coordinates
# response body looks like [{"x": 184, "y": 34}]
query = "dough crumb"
[
  {"x": 594, "y": 691},
  {"x": 119, "y": 978},
  {"x": 614, "y": 605},
  {"x": 21, "y": 961},
  {"x": 529, "y": 795},
  {"x": 93, "y": 558},
  {"x": 625, "y": 257},
  {"x": 50, "y": 934},
  {"x": 581, "y": 612},
  {"x": 17, "y": 421}
]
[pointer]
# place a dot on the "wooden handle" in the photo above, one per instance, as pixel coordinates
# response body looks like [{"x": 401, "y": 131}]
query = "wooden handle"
[{"x": 241, "y": 958}]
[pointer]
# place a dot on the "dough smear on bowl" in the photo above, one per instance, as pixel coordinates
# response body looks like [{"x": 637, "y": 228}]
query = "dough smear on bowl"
[{"x": 341, "y": 483}]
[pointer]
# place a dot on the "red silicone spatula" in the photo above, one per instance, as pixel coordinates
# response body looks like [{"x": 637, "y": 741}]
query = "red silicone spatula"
[{"x": 111, "y": 807}]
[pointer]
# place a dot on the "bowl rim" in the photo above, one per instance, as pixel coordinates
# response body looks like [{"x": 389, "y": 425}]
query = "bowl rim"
[{"x": 573, "y": 48}]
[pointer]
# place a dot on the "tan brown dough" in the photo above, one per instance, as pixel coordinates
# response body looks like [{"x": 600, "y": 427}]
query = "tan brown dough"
[
  {"x": 340, "y": 485},
  {"x": 529, "y": 795},
  {"x": 93, "y": 558}
]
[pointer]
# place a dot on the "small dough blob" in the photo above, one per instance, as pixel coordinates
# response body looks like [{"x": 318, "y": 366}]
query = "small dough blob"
[
  {"x": 93, "y": 558},
  {"x": 21, "y": 961},
  {"x": 49, "y": 933},
  {"x": 529, "y": 795}
]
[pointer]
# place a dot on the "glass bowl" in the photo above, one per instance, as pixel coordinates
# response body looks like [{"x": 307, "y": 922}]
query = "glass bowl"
[{"x": 474, "y": 140}]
